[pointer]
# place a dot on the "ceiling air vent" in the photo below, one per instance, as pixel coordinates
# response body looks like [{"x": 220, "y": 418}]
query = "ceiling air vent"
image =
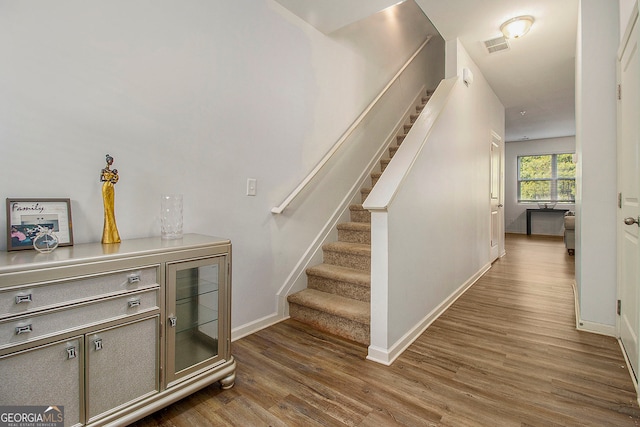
[{"x": 496, "y": 45}]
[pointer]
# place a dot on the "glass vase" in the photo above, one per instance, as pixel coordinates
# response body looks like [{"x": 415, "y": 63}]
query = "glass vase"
[{"x": 171, "y": 216}]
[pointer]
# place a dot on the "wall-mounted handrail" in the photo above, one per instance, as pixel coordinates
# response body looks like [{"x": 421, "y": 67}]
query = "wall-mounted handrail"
[{"x": 279, "y": 209}]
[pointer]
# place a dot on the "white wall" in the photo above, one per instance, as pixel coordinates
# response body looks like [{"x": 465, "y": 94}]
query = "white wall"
[
  {"x": 191, "y": 97},
  {"x": 626, "y": 7},
  {"x": 438, "y": 222},
  {"x": 516, "y": 213},
  {"x": 596, "y": 199}
]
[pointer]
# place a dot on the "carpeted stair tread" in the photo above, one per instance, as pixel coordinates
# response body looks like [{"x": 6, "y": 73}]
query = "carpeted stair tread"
[
  {"x": 354, "y": 232},
  {"x": 375, "y": 176},
  {"x": 343, "y": 281},
  {"x": 335, "y": 305},
  {"x": 344, "y": 274},
  {"x": 359, "y": 214},
  {"x": 354, "y": 226},
  {"x": 364, "y": 193},
  {"x": 346, "y": 247},
  {"x": 347, "y": 254}
]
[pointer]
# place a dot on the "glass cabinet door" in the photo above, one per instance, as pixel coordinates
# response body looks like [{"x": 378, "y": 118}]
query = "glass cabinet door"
[{"x": 195, "y": 290}]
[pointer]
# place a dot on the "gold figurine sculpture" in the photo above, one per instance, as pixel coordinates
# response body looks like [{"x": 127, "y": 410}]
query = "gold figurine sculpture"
[{"x": 109, "y": 178}]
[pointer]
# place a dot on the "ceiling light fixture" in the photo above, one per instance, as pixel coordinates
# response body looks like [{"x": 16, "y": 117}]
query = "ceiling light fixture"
[{"x": 517, "y": 27}]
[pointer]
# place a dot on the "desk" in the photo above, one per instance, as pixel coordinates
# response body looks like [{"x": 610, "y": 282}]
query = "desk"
[{"x": 530, "y": 211}]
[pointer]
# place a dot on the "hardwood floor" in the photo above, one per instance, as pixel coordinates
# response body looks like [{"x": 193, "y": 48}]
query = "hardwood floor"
[{"x": 505, "y": 354}]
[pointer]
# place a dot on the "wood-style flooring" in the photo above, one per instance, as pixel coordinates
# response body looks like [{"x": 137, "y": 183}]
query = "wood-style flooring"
[{"x": 504, "y": 354}]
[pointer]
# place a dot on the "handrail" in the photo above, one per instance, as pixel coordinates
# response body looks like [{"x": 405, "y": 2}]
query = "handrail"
[{"x": 279, "y": 209}]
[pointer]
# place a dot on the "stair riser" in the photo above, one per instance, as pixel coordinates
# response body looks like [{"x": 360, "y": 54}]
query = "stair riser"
[
  {"x": 337, "y": 287},
  {"x": 360, "y": 216},
  {"x": 346, "y": 259},
  {"x": 374, "y": 180},
  {"x": 353, "y": 236},
  {"x": 333, "y": 324},
  {"x": 364, "y": 194},
  {"x": 383, "y": 165}
]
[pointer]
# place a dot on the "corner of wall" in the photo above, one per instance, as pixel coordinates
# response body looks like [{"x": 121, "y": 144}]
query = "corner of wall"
[{"x": 451, "y": 58}]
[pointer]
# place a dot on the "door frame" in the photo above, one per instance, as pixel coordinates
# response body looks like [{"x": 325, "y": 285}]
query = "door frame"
[
  {"x": 625, "y": 41},
  {"x": 496, "y": 141}
]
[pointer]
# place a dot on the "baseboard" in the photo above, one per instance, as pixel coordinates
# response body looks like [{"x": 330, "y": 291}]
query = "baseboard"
[
  {"x": 388, "y": 356},
  {"x": 576, "y": 303},
  {"x": 592, "y": 327},
  {"x": 597, "y": 328},
  {"x": 256, "y": 325},
  {"x": 631, "y": 374}
]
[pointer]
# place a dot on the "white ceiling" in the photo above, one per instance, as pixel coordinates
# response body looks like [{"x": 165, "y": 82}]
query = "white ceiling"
[{"x": 535, "y": 76}]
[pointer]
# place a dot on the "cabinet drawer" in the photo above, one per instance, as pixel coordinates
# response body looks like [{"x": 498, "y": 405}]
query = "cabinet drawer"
[
  {"x": 28, "y": 299},
  {"x": 29, "y": 328}
]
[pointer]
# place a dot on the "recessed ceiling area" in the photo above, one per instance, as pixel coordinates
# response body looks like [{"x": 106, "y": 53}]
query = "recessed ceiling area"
[{"x": 330, "y": 15}]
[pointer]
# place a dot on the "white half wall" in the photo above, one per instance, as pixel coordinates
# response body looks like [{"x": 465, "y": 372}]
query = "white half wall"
[
  {"x": 516, "y": 213},
  {"x": 438, "y": 221}
]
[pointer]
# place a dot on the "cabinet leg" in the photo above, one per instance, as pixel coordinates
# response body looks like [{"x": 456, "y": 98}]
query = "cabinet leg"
[{"x": 227, "y": 382}]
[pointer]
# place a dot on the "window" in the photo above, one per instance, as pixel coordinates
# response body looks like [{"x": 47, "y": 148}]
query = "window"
[{"x": 547, "y": 178}]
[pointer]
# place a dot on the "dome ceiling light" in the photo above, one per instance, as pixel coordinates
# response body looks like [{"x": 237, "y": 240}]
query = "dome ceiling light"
[{"x": 517, "y": 27}]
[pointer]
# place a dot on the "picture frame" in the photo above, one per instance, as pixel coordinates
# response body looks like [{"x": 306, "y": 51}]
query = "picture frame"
[{"x": 26, "y": 217}]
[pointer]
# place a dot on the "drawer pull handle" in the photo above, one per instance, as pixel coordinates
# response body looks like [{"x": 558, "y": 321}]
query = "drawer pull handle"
[
  {"x": 23, "y": 329},
  {"x": 97, "y": 344},
  {"x": 134, "y": 278},
  {"x": 20, "y": 299},
  {"x": 134, "y": 303},
  {"x": 71, "y": 353}
]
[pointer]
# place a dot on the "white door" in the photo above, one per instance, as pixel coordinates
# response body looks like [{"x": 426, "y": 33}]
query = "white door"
[
  {"x": 629, "y": 196},
  {"x": 497, "y": 235}
]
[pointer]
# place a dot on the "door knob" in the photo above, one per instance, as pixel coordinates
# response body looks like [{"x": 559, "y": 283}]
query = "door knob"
[
  {"x": 500, "y": 205},
  {"x": 630, "y": 221}
]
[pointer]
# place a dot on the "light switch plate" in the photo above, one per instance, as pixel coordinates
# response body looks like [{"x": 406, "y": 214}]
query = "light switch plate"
[{"x": 251, "y": 186}]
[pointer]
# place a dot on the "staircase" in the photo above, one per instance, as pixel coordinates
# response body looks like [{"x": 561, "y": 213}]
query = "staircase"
[{"x": 338, "y": 295}]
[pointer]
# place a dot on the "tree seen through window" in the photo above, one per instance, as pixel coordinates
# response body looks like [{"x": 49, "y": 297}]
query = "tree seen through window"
[{"x": 547, "y": 178}]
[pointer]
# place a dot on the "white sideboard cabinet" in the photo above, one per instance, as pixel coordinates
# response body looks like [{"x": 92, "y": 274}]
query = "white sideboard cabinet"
[{"x": 115, "y": 332}]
